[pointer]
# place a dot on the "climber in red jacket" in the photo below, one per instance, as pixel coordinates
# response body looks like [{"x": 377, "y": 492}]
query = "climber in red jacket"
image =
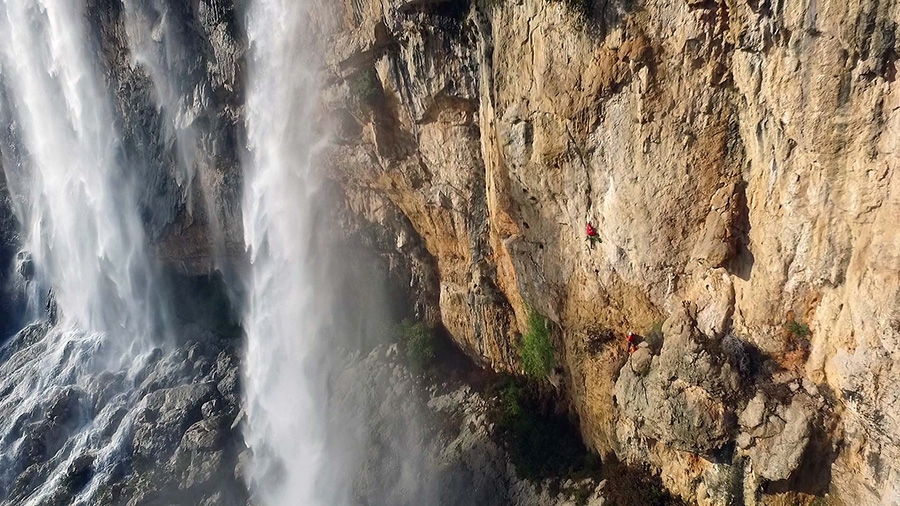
[
  {"x": 591, "y": 232},
  {"x": 632, "y": 339}
]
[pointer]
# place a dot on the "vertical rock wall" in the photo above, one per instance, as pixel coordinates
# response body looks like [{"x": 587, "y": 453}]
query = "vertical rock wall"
[{"x": 737, "y": 160}]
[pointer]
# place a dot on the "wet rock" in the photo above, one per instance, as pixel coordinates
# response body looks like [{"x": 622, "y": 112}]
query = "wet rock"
[
  {"x": 79, "y": 473},
  {"x": 206, "y": 435},
  {"x": 211, "y": 408},
  {"x": 65, "y": 406},
  {"x": 164, "y": 417},
  {"x": 25, "y": 265},
  {"x": 199, "y": 468},
  {"x": 229, "y": 385}
]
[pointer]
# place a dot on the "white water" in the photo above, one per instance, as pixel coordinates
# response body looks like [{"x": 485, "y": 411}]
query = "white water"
[
  {"x": 162, "y": 44},
  {"x": 155, "y": 44},
  {"x": 287, "y": 319},
  {"x": 79, "y": 206},
  {"x": 82, "y": 227},
  {"x": 79, "y": 211}
]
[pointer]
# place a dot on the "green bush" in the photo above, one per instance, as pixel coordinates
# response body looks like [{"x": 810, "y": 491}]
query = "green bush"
[
  {"x": 511, "y": 403},
  {"x": 798, "y": 329},
  {"x": 418, "y": 344},
  {"x": 364, "y": 84},
  {"x": 536, "y": 349}
]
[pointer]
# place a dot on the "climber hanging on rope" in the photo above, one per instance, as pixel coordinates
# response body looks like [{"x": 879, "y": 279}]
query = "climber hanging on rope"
[{"x": 592, "y": 235}]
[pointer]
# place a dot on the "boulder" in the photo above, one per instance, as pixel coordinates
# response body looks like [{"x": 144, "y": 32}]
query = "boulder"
[
  {"x": 164, "y": 417},
  {"x": 775, "y": 435},
  {"x": 684, "y": 396}
]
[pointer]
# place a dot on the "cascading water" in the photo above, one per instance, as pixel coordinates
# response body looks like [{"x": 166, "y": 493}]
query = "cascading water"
[
  {"x": 75, "y": 387},
  {"x": 286, "y": 318},
  {"x": 83, "y": 226},
  {"x": 83, "y": 231}
]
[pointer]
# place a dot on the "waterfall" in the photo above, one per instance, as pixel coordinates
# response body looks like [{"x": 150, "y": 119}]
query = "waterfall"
[
  {"x": 83, "y": 234},
  {"x": 83, "y": 225},
  {"x": 73, "y": 385},
  {"x": 288, "y": 316}
]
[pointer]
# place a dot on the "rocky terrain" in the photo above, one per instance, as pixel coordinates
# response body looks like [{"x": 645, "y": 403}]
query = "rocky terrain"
[{"x": 737, "y": 159}]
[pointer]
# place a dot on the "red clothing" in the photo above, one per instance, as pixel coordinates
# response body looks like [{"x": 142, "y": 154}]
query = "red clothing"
[{"x": 590, "y": 230}]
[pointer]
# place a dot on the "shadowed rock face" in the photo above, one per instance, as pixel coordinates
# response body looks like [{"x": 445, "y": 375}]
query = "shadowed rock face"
[
  {"x": 10, "y": 306},
  {"x": 179, "y": 93}
]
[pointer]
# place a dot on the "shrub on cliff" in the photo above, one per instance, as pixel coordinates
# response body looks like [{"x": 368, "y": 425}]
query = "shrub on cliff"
[
  {"x": 536, "y": 348},
  {"x": 797, "y": 329},
  {"x": 364, "y": 84},
  {"x": 417, "y": 341}
]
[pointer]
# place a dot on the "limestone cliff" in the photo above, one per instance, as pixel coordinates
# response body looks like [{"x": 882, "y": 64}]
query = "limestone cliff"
[{"x": 739, "y": 161}]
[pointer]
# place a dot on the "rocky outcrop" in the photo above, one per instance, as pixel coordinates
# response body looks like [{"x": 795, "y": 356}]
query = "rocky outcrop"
[
  {"x": 165, "y": 433},
  {"x": 776, "y": 439},
  {"x": 684, "y": 397}
]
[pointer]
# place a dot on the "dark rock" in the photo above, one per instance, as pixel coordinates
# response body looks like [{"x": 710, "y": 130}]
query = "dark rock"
[
  {"x": 200, "y": 468},
  {"x": 25, "y": 265},
  {"x": 211, "y": 408},
  {"x": 79, "y": 473},
  {"x": 230, "y": 384},
  {"x": 165, "y": 416},
  {"x": 206, "y": 435}
]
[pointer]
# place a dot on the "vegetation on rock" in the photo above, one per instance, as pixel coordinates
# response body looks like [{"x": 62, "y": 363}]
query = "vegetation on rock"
[
  {"x": 797, "y": 329},
  {"x": 536, "y": 348},
  {"x": 364, "y": 84},
  {"x": 417, "y": 340}
]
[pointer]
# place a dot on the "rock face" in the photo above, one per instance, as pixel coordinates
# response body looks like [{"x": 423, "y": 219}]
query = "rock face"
[
  {"x": 10, "y": 305},
  {"x": 175, "y": 73},
  {"x": 735, "y": 155},
  {"x": 776, "y": 440}
]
